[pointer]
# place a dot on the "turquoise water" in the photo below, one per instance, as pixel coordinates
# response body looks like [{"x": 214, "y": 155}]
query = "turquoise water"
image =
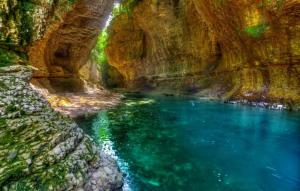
[{"x": 170, "y": 144}]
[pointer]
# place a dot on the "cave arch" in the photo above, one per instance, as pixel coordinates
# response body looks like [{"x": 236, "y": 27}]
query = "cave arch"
[
  {"x": 68, "y": 41},
  {"x": 69, "y": 46}
]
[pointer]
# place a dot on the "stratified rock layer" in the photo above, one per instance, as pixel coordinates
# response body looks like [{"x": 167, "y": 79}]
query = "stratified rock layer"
[
  {"x": 57, "y": 36},
  {"x": 227, "y": 49},
  {"x": 23, "y": 22},
  {"x": 65, "y": 47},
  {"x": 41, "y": 149}
]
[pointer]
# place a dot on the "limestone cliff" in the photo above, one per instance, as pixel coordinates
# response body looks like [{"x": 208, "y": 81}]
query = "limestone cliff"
[
  {"x": 68, "y": 46},
  {"x": 41, "y": 149},
  {"x": 228, "y": 49},
  {"x": 57, "y": 36}
]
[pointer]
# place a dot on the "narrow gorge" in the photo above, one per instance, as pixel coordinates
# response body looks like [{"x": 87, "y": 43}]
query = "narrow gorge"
[
  {"x": 223, "y": 49},
  {"x": 136, "y": 94}
]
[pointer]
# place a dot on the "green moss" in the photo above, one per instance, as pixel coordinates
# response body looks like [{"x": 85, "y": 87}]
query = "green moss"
[
  {"x": 18, "y": 23},
  {"x": 8, "y": 58},
  {"x": 125, "y": 7},
  {"x": 26, "y": 28},
  {"x": 22, "y": 186},
  {"x": 256, "y": 31},
  {"x": 3, "y": 86},
  {"x": 2, "y": 122},
  {"x": 11, "y": 108}
]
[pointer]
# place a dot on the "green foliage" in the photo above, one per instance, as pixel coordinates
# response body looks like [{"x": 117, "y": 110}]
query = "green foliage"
[
  {"x": 26, "y": 28},
  {"x": 8, "y": 58},
  {"x": 22, "y": 186},
  {"x": 3, "y": 86},
  {"x": 11, "y": 108},
  {"x": 2, "y": 122},
  {"x": 99, "y": 51},
  {"x": 256, "y": 31},
  {"x": 125, "y": 7}
]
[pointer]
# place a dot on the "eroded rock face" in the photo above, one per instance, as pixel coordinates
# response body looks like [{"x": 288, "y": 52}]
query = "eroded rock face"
[
  {"x": 57, "y": 35},
  {"x": 23, "y": 22},
  {"x": 69, "y": 46},
  {"x": 227, "y": 49},
  {"x": 41, "y": 149},
  {"x": 160, "y": 43},
  {"x": 65, "y": 48}
]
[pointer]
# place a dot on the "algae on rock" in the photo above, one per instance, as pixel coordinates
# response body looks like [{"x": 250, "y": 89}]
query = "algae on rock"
[
  {"x": 40, "y": 148},
  {"x": 43, "y": 150}
]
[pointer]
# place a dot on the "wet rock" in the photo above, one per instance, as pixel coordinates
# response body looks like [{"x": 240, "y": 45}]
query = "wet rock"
[{"x": 41, "y": 148}]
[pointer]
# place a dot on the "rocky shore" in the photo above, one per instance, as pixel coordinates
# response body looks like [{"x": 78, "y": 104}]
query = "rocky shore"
[
  {"x": 267, "y": 105},
  {"x": 40, "y": 149}
]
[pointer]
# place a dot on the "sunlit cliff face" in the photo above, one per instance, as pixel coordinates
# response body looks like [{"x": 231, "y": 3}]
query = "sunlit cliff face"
[
  {"x": 246, "y": 49},
  {"x": 242, "y": 49},
  {"x": 67, "y": 44},
  {"x": 57, "y": 36}
]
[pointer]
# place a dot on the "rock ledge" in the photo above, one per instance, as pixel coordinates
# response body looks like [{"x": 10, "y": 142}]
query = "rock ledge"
[{"x": 42, "y": 150}]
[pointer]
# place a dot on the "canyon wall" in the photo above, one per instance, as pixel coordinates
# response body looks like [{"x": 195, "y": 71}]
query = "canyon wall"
[
  {"x": 40, "y": 149},
  {"x": 227, "y": 49},
  {"x": 66, "y": 46},
  {"x": 56, "y": 36}
]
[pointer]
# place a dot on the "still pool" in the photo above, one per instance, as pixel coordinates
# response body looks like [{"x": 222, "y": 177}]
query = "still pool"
[{"x": 174, "y": 144}]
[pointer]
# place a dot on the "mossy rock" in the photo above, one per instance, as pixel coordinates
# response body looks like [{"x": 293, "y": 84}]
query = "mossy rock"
[
  {"x": 3, "y": 86},
  {"x": 11, "y": 108},
  {"x": 8, "y": 58},
  {"x": 2, "y": 122}
]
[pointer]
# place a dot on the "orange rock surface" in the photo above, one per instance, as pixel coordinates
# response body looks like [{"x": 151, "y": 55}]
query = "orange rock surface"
[{"x": 248, "y": 49}]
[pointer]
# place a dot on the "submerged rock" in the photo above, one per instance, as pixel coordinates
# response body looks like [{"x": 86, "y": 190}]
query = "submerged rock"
[{"x": 42, "y": 150}]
